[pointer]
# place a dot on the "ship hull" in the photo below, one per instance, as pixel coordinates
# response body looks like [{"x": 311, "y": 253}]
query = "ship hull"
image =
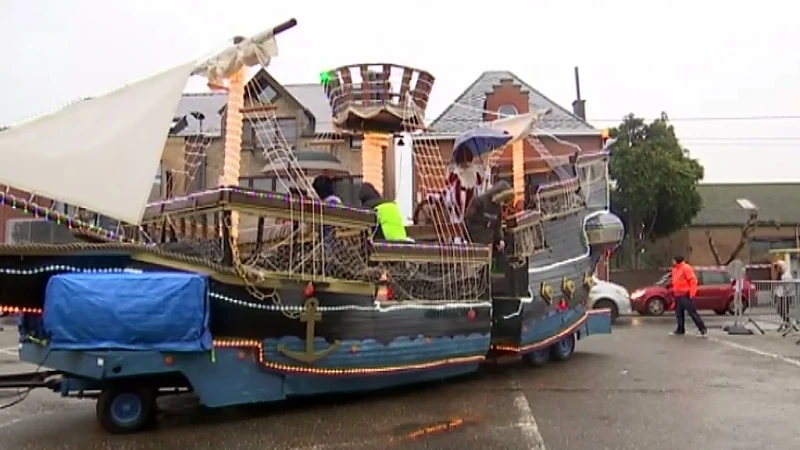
[
  {"x": 242, "y": 372},
  {"x": 358, "y": 343},
  {"x": 528, "y": 320}
]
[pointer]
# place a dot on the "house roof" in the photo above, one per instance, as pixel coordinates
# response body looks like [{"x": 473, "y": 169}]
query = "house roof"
[
  {"x": 455, "y": 119},
  {"x": 779, "y": 202},
  {"x": 310, "y": 96},
  {"x": 313, "y": 97},
  {"x": 466, "y": 112},
  {"x": 207, "y": 104}
]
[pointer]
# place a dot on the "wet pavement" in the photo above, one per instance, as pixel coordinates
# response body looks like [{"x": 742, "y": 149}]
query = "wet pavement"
[{"x": 635, "y": 389}]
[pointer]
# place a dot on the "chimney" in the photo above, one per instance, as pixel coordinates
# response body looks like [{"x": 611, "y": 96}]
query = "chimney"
[{"x": 579, "y": 105}]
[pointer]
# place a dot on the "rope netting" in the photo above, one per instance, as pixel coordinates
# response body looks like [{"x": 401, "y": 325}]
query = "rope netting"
[{"x": 309, "y": 246}]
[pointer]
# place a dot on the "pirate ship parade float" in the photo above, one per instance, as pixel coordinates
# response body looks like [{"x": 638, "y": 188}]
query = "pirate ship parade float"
[{"x": 242, "y": 295}]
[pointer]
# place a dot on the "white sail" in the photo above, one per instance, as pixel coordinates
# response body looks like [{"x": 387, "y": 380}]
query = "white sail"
[
  {"x": 257, "y": 50},
  {"x": 102, "y": 153},
  {"x": 520, "y": 126}
]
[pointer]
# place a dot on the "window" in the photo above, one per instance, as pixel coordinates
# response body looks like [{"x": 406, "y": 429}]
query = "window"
[
  {"x": 665, "y": 279},
  {"x": 714, "y": 277},
  {"x": 356, "y": 142},
  {"x": 267, "y": 94},
  {"x": 507, "y": 110},
  {"x": 264, "y": 183},
  {"x": 281, "y": 186},
  {"x": 264, "y": 133},
  {"x": 760, "y": 247},
  {"x": 746, "y": 204},
  {"x": 288, "y": 128}
]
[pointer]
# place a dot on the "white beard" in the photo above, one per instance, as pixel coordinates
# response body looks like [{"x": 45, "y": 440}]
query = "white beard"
[{"x": 468, "y": 176}]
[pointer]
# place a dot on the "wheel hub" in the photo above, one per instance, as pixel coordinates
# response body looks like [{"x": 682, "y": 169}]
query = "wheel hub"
[{"x": 126, "y": 408}]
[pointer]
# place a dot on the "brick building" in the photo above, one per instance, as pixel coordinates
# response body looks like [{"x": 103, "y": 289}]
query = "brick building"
[
  {"x": 723, "y": 216},
  {"x": 501, "y": 94}
]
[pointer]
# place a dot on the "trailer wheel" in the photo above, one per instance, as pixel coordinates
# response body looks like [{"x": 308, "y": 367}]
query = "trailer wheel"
[
  {"x": 126, "y": 410},
  {"x": 537, "y": 358},
  {"x": 563, "y": 349}
]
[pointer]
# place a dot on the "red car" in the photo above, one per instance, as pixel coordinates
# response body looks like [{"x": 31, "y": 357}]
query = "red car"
[{"x": 714, "y": 292}]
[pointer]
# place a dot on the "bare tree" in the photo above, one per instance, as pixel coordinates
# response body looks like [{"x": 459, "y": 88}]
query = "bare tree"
[{"x": 747, "y": 230}]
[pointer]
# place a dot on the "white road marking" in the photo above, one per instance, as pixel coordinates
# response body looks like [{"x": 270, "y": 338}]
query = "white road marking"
[
  {"x": 13, "y": 351},
  {"x": 16, "y": 420},
  {"x": 756, "y": 351},
  {"x": 526, "y": 422},
  {"x": 13, "y": 421}
]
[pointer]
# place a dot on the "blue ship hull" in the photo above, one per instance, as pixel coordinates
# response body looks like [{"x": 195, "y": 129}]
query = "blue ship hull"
[{"x": 253, "y": 372}]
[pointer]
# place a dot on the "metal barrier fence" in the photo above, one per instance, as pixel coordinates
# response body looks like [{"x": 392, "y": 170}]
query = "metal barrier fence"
[{"x": 773, "y": 306}]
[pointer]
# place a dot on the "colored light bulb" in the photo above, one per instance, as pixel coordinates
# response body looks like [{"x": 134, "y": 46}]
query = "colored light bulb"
[{"x": 325, "y": 77}]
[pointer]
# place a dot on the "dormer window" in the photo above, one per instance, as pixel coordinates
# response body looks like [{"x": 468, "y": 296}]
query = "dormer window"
[
  {"x": 507, "y": 110},
  {"x": 267, "y": 94}
]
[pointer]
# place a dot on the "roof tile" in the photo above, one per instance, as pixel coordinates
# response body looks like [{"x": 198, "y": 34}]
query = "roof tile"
[
  {"x": 779, "y": 202},
  {"x": 457, "y": 118}
]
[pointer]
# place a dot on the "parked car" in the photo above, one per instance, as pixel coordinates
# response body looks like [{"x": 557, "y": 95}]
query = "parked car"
[
  {"x": 607, "y": 295},
  {"x": 715, "y": 292}
]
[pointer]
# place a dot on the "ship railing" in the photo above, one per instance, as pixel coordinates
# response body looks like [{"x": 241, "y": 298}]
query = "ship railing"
[
  {"x": 559, "y": 199},
  {"x": 384, "y": 251},
  {"x": 524, "y": 234},
  {"x": 432, "y": 271},
  {"x": 261, "y": 204},
  {"x": 376, "y": 85}
]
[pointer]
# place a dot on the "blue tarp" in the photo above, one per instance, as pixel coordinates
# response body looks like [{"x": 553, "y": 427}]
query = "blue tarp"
[{"x": 128, "y": 311}]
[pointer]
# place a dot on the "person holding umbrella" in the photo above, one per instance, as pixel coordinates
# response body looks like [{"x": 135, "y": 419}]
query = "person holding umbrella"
[
  {"x": 467, "y": 178},
  {"x": 464, "y": 181}
]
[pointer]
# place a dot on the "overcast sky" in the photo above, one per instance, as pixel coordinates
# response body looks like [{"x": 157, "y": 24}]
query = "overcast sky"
[{"x": 689, "y": 58}]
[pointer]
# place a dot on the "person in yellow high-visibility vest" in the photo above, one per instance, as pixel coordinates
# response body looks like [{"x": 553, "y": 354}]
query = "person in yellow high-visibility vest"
[{"x": 391, "y": 226}]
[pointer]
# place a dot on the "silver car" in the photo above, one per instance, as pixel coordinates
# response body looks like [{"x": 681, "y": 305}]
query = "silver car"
[{"x": 607, "y": 295}]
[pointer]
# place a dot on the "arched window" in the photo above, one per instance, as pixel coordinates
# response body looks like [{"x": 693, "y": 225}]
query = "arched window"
[{"x": 507, "y": 110}]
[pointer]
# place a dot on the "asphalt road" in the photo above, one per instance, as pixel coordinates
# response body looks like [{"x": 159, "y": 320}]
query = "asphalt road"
[{"x": 635, "y": 389}]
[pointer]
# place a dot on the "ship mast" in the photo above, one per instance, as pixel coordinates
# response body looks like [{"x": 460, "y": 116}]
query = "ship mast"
[
  {"x": 227, "y": 72},
  {"x": 231, "y": 160},
  {"x": 518, "y": 170}
]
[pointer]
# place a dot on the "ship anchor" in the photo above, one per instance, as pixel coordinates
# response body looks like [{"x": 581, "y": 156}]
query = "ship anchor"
[{"x": 310, "y": 316}]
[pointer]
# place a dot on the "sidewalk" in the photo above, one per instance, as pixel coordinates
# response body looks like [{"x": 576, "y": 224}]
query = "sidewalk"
[{"x": 8, "y": 322}]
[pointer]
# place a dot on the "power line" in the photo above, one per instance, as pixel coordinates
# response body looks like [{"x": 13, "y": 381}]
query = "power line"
[
  {"x": 671, "y": 119},
  {"x": 689, "y": 143},
  {"x": 741, "y": 138},
  {"x": 764, "y": 117},
  {"x": 715, "y": 118}
]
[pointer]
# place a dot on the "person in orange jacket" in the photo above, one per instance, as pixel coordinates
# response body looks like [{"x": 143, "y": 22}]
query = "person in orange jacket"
[{"x": 684, "y": 289}]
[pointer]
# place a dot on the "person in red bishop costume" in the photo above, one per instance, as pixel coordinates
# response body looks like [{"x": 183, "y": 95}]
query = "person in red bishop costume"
[{"x": 465, "y": 181}]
